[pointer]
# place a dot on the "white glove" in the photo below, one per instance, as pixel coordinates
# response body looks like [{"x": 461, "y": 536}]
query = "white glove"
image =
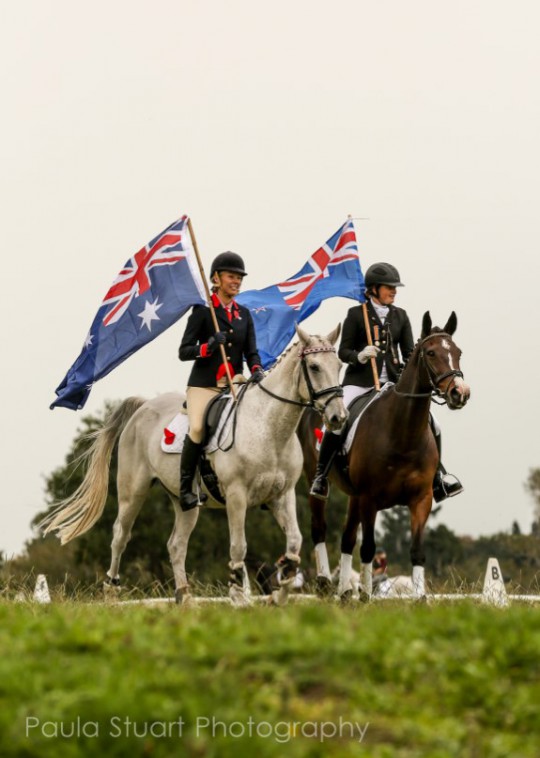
[{"x": 368, "y": 352}]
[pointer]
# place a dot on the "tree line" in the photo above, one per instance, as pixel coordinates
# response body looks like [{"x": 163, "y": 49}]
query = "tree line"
[{"x": 451, "y": 561}]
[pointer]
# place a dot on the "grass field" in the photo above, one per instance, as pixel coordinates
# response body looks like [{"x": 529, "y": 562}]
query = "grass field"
[{"x": 393, "y": 680}]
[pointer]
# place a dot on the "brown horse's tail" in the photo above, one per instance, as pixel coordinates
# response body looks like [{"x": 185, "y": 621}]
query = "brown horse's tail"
[{"x": 79, "y": 512}]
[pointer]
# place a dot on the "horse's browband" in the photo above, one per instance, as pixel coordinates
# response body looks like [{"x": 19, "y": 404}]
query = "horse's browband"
[
  {"x": 307, "y": 350},
  {"x": 436, "y": 334}
]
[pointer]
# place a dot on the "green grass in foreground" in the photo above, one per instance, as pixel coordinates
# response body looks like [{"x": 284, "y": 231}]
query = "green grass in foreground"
[{"x": 452, "y": 680}]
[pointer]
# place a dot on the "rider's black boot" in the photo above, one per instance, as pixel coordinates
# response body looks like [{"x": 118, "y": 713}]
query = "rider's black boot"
[
  {"x": 445, "y": 485},
  {"x": 329, "y": 447},
  {"x": 188, "y": 465}
]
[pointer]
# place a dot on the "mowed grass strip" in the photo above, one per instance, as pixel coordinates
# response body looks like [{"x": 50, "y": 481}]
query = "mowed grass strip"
[{"x": 445, "y": 680}]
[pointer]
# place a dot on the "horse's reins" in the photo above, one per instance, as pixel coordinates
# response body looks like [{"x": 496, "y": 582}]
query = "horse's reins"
[
  {"x": 435, "y": 392},
  {"x": 314, "y": 395}
]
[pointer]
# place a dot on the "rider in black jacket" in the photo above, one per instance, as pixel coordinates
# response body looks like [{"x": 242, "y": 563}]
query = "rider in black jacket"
[
  {"x": 392, "y": 345},
  {"x": 201, "y": 343}
]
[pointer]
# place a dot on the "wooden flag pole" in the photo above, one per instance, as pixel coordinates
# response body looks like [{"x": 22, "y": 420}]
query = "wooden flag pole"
[
  {"x": 368, "y": 330},
  {"x": 370, "y": 342},
  {"x": 211, "y": 306}
]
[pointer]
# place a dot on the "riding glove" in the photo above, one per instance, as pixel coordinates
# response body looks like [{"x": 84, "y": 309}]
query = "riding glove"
[
  {"x": 370, "y": 351},
  {"x": 217, "y": 339},
  {"x": 258, "y": 375}
]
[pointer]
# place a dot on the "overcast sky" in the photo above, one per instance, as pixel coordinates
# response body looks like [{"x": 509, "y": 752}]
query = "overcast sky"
[{"x": 268, "y": 123}]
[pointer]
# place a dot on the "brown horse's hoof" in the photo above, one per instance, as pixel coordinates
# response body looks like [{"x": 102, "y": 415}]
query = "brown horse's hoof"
[{"x": 323, "y": 587}]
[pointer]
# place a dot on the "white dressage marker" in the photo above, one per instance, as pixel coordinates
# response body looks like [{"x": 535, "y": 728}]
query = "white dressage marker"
[{"x": 41, "y": 591}]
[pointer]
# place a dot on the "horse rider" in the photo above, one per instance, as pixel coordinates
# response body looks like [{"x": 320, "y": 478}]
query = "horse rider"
[
  {"x": 208, "y": 377},
  {"x": 392, "y": 345}
]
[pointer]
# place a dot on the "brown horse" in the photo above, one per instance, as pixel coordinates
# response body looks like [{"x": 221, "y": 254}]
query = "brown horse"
[{"x": 392, "y": 460}]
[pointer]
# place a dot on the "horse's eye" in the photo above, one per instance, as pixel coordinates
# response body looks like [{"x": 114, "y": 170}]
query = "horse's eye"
[
  {"x": 431, "y": 353},
  {"x": 313, "y": 367}
]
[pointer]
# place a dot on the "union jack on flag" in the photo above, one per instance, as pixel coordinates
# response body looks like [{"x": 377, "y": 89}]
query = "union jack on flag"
[
  {"x": 134, "y": 279},
  {"x": 332, "y": 271},
  {"x": 334, "y": 252},
  {"x": 153, "y": 290}
]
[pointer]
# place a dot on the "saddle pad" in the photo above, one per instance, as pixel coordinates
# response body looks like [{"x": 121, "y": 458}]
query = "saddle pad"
[
  {"x": 174, "y": 433},
  {"x": 347, "y": 442}
]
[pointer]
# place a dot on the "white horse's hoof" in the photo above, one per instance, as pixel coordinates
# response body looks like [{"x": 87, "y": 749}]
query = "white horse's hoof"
[
  {"x": 346, "y": 597},
  {"x": 364, "y": 597},
  {"x": 239, "y": 598},
  {"x": 111, "y": 590},
  {"x": 182, "y": 596},
  {"x": 280, "y": 597}
]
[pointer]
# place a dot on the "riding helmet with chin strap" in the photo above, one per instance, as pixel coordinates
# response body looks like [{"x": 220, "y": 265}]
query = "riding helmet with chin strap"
[
  {"x": 228, "y": 262},
  {"x": 382, "y": 273}
]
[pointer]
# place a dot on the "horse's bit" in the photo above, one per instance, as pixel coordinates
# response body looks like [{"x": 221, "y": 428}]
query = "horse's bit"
[
  {"x": 314, "y": 395},
  {"x": 434, "y": 381}
]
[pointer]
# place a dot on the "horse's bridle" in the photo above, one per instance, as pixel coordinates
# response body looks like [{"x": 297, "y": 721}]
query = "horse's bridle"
[
  {"x": 435, "y": 392},
  {"x": 314, "y": 395}
]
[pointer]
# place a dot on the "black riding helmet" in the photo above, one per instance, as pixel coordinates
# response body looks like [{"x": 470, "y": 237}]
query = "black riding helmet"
[
  {"x": 228, "y": 262},
  {"x": 382, "y": 273}
]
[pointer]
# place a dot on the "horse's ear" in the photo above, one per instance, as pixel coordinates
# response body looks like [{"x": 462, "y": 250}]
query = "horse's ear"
[
  {"x": 303, "y": 336},
  {"x": 451, "y": 324},
  {"x": 332, "y": 338},
  {"x": 426, "y": 325}
]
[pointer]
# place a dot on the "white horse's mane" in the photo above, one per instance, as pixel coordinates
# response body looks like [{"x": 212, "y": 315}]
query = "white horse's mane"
[{"x": 286, "y": 352}]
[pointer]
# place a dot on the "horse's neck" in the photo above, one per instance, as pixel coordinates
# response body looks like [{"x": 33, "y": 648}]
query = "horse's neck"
[
  {"x": 414, "y": 378},
  {"x": 283, "y": 381},
  {"x": 411, "y": 414}
]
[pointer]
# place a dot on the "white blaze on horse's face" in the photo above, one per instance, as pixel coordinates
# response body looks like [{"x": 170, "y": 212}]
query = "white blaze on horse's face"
[{"x": 445, "y": 370}]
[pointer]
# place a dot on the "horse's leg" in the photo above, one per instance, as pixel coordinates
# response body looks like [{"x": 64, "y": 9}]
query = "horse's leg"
[
  {"x": 419, "y": 515},
  {"x": 177, "y": 545},
  {"x": 348, "y": 541},
  {"x": 235, "y": 497},
  {"x": 284, "y": 510},
  {"x": 367, "y": 553},
  {"x": 318, "y": 535},
  {"x": 132, "y": 492}
]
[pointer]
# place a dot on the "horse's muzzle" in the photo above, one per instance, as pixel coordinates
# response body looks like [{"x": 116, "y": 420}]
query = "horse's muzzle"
[
  {"x": 335, "y": 419},
  {"x": 458, "y": 395}
]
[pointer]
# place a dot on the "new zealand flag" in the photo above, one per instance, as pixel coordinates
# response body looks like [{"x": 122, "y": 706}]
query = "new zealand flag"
[{"x": 332, "y": 271}]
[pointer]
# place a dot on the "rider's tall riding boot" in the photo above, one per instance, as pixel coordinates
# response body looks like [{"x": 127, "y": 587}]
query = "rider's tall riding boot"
[
  {"x": 188, "y": 465},
  {"x": 444, "y": 484},
  {"x": 329, "y": 447}
]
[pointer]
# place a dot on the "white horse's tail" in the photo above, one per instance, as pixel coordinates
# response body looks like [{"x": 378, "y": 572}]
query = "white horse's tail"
[{"x": 79, "y": 512}]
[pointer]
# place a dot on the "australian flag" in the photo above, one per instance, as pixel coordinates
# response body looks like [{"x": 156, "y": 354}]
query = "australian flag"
[
  {"x": 332, "y": 271},
  {"x": 152, "y": 291}
]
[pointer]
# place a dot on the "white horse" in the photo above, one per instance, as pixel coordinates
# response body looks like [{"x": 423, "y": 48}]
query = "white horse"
[{"x": 262, "y": 466}]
